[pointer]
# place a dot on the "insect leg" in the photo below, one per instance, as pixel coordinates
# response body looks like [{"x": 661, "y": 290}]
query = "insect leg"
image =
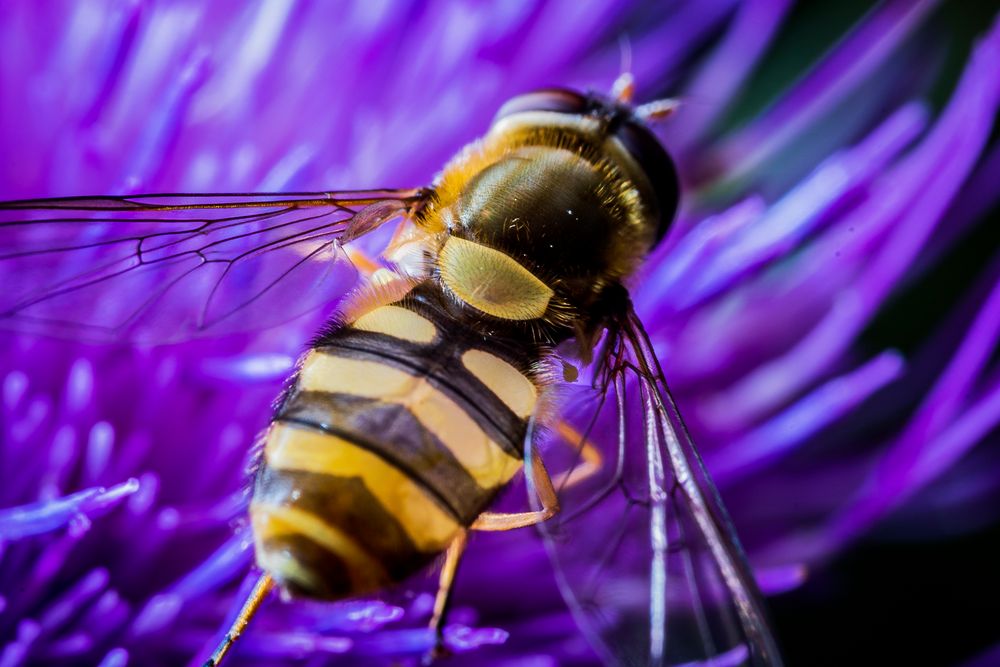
[
  {"x": 445, "y": 585},
  {"x": 250, "y": 607},
  {"x": 362, "y": 261},
  {"x": 546, "y": 495},
  {"x": 590, "y": 459}
]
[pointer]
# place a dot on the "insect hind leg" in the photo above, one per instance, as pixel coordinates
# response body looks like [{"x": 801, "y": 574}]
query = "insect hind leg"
[
  {"x": 491, "y": 521},
  {"x": 442, "y": 601},
  {"x": 589, "y": 459},
  {"x": 546, "y": 495},
  {"x": 250, "y": 607}
]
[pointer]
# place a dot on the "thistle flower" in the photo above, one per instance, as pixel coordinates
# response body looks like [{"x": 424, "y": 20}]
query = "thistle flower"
[{"x": 122, "y": 480}]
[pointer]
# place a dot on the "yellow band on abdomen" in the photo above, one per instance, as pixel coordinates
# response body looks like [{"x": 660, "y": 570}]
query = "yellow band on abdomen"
[
  {"x": 506, "y": 382},
  {"x": 483, "y": 458},
  {"x": 397, "y": 322},
  {"x": 421, "y": 518},
  {"x": 272, "y": 521}
]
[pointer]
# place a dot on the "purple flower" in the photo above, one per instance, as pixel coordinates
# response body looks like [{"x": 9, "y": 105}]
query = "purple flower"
[{"x": 122, "y": 469}]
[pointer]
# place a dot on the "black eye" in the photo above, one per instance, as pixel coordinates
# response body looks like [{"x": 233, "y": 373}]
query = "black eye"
[
  {"x": 559, "y": 100},
  {"x": 655, "y": 162}
]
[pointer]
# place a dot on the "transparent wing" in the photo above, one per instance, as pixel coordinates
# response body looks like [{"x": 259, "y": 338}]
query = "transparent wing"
[
  {"x": 163, "y": 268},
  {"x": 644, "y": 552}
]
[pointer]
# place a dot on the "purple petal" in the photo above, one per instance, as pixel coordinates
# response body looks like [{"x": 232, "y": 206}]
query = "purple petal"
[
  {"x": 839, "y": 74},
  {"x": 912, "y": 198},
  {"x": 19, "y": 522},
  {"x": 779, "y": 435}
]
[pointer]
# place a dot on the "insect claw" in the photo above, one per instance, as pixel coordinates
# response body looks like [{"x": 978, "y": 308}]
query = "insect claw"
[{"x": 439, "y": 651}]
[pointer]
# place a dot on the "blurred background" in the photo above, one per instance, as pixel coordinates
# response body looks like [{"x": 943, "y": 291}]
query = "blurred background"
[
  {"x": 826, "y": 306},
  {"x": 920, "y": 589}
]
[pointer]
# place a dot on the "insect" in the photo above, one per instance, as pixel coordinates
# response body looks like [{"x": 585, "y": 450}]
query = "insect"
[{"x": 430, "y": 389}]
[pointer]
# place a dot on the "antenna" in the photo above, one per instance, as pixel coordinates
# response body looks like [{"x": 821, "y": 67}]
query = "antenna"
[
  {"x": 657, "y": 110},
  {"x": 623, "y": 89},
  {"x": 625, "y": 49}
]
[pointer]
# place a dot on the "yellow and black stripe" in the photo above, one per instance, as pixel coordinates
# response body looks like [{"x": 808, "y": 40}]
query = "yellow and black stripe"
[{"x": 400, "y": 429}]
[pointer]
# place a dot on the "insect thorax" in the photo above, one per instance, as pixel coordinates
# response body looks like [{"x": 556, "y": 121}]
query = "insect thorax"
[{"x": 539, "y": 220}]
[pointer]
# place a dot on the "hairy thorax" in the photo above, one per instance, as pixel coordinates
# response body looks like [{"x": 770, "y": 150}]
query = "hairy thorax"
[{"x": 536, "y": 224}]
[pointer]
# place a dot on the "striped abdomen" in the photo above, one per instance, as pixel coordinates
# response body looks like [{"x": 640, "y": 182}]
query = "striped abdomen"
[{"x": 400, "y": 429}]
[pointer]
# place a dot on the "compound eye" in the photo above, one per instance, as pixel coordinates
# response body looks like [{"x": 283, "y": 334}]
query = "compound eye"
[
  {"x": 658, "y": 167},
  {"x": 558, "y": 100}
]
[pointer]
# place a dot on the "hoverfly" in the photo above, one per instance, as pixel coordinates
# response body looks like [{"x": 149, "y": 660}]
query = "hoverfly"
[{"x": 431, "y": 388}]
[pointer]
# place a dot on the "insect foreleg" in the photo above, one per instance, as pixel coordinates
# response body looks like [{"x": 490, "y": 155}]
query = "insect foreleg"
[{"x": 365, "y": 264}]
